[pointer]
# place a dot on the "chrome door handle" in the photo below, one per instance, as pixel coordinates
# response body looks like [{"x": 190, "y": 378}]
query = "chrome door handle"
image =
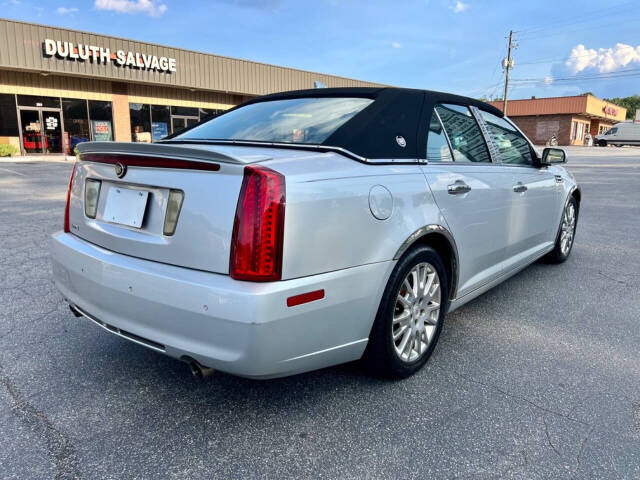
[
  {"x": 519, "y": 188},
  {"x": 458, "y": 188}
]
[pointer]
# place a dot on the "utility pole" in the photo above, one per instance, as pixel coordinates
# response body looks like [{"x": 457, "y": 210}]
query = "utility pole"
[{"x": 507, "y": 64}]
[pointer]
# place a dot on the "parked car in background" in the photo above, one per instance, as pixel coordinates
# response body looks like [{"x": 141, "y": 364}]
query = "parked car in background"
[
  {"x": 625, "y": 133},
  {"x": 306, "y": 229}
]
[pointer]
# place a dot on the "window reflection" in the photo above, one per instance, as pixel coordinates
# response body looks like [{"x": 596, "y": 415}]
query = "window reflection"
[{"x": 464, "y": 134}]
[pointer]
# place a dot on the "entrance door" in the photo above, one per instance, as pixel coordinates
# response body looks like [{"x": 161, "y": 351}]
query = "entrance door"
[
  {"x": 31, "y": 130},
  {"x": 181, "y": 122},
  {"x": 41, "y": 131},
  {"x": 52, "y": 130}
]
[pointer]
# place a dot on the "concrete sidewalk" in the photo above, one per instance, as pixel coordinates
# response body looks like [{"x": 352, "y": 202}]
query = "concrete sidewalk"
[{"x": 38, "y": 159}]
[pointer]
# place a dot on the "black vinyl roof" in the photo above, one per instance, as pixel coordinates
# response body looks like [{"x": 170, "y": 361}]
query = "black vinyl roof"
[{"x": 395, "y": 112}]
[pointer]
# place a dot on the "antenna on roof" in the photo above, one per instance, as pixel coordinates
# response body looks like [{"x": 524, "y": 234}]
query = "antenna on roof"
[{"x": 318, "y": 84}]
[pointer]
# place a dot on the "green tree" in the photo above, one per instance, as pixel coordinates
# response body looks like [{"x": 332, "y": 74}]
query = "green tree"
[{"x": 631, "y": 103}]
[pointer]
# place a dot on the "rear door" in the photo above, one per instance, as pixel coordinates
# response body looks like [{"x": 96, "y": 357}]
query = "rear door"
[
  {"x": 535, "y": 193},
  {"x": 473, "y": 193}
]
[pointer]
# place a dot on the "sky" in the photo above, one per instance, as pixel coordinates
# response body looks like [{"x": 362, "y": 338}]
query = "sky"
[{"x": 564, "y": 47}]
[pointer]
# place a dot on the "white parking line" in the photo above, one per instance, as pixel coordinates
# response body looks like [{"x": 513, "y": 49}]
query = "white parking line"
[{"x": 13, "y": 171}]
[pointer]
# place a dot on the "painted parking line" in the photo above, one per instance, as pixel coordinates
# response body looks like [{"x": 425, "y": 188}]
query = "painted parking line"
[{"x": 13, "y": 171}]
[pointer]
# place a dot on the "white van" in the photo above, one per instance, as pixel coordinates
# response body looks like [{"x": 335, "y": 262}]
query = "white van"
[{"x": 626, "y": 133}]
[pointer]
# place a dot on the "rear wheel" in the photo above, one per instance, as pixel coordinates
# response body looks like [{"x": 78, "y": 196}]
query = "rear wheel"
[
  {"x": 410, "y": 316},
  {"x": 566, "y": 235}
]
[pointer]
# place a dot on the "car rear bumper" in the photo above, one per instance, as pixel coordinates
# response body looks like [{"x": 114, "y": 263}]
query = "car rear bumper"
[{"x": 238, "y": 327}]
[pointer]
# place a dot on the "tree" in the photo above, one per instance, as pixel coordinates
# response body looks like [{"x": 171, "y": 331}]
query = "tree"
[{"x": 631, "y": 103}]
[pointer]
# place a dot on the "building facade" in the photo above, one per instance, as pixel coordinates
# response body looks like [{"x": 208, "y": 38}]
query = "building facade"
[
  {"x": 60, "y": 87},
  {"x": 568, "y": 118}
]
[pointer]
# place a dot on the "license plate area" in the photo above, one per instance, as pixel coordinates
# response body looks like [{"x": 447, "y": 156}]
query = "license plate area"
[{"x": 126, "y": 206}]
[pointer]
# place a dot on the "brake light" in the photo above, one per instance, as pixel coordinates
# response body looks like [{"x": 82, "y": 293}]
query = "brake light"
[
  {"x": 258, "y": 229},
  {"x": 66, "y": 209}
]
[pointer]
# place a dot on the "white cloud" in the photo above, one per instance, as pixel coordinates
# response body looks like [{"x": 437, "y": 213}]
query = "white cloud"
[
  {"x": 396, "y": 44},
  {"x": 65, "y": 10},
  {"x": 153, "y": 8},
  {"x": 548, "y": 80},
  {"x": 604, "y": 59},
  {"x": 459, "y": 6}
]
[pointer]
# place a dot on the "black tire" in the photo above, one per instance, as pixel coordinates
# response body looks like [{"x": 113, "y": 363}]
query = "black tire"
[
  {"x": 557, "y": 255},
  {"x": 602, "y": 143},
  {"x": 380, "y": 356}
]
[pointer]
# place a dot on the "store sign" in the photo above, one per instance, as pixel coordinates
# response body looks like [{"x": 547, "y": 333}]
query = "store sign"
[
  {"x": 101, "y": 130},
  {"x": 610, "y": 110},
  {"x": 120, "y": 58}
]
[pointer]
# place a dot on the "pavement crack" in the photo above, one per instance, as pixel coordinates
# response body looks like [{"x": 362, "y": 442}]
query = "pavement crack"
[
  {"x": 579, "y": 456},
  {"x": 59, "y": 445},
  {"x": 546, "y": 432},
  {"x": 516, "y": 397}
]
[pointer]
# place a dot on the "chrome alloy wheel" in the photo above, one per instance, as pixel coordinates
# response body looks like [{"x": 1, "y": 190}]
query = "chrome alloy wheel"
[
  {"x": 568, "y": 228},
  {"x": 416, "y": 312}
]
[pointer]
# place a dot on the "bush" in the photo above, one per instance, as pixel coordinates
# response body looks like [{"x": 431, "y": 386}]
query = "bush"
[{"x": 7, "y": 150}]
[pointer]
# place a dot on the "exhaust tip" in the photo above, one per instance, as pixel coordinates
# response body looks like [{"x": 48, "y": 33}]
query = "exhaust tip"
[{"x": 198, "y": 370}]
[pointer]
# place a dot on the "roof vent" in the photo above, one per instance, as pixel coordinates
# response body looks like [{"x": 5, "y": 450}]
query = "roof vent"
[{"x": 533, "y": 97}]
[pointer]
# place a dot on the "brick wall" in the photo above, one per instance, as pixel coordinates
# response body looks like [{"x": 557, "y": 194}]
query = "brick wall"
[{"x": 540, "y": 128}]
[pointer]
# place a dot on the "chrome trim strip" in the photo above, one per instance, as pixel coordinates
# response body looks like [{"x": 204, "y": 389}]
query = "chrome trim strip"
[
  {"x": 132, "y": 337},
  {"x": 429, "y": 229},
  {"x": 494, "y": 153}
]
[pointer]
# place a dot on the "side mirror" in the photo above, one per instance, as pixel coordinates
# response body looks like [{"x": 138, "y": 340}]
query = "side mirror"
[{"x": 551, "y": 156}]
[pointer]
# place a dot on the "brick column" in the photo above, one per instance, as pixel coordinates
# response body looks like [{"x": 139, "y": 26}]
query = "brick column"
[{"x": 121, "y": 119}]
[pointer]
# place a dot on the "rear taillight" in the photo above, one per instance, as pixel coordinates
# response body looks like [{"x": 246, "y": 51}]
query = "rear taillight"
[
  {"x": 66, "y": 209},
  {"x": 258, "y": 230}
]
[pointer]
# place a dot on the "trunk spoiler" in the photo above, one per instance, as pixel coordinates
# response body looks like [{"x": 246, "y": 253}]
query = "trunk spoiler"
[{"x": 192, "y": 152}]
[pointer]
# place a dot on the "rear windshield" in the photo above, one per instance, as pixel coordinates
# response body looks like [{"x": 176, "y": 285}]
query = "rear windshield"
[{"x": 298, "y": 120}]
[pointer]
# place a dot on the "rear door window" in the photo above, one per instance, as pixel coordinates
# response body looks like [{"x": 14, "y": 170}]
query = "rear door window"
[
  {"x": 437, "y": 145},
  {"x": 464, "y": 134},
  {"x": 514, "y": 149}
]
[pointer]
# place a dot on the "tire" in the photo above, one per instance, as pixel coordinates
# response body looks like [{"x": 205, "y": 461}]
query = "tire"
[
  {"x": 425, "y": 321},
  {"x": 561, "y": 251},
  {"x": 602, "y": 143}
]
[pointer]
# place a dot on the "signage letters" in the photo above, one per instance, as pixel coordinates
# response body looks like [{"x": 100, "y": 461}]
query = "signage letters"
[{"x": 121, "y": 58}]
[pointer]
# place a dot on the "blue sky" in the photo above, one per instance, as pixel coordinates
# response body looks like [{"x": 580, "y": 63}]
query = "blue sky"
[{"x": 449, "y": 45}]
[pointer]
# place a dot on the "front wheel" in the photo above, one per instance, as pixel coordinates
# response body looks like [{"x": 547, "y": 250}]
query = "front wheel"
[
  {"x": 602, "y": 143},
  {"x": 410, "y": 316},
  {"x": 566, "y": 234}
]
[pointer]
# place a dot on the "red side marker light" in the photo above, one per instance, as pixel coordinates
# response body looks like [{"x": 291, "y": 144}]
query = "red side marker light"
[{"x": 305, "y": 298}]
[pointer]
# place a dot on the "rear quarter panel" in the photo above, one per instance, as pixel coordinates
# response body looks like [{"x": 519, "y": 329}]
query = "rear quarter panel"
[{"x": 328, "y": 222}]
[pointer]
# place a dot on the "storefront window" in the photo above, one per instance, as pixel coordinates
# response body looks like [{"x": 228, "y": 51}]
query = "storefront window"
[
  {"x": 34, "y": 101},
  {"x": 8, "y": 116},
  {"x": 140, "y": 115},
  {"x": 209, "y": 113},
  {"x": 184, "y": 111},
  {"x": 160, "y": 120},
  {"x": 101, "y": 121},
  {"x": 76, "y": 123}
]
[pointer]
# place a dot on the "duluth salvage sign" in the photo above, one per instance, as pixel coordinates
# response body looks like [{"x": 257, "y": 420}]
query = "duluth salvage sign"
[{"x": 121, "y": 58}]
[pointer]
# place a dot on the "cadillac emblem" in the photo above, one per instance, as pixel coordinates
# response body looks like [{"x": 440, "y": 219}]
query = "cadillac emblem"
[{"x": 121, "y": 170}]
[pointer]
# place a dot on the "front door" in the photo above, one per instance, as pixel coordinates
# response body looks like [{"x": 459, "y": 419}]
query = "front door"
[
  {"x": 41, "y": 131},
  {"x": 535, "y": 214}
]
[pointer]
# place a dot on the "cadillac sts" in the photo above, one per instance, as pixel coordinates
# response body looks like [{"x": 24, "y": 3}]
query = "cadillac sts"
[{"x": 310, "y": 228}]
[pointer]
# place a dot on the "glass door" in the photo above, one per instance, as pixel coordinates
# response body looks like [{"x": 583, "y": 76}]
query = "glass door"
[
  {"x": 52, "y": 130},
  {"x": 31, "y": 131},
  {"x": 41, "y": 131}
]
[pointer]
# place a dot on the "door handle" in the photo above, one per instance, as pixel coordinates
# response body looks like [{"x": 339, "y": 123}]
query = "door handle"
[
  {"x": 519, "y": 188},
  {"x": 458, "y": 188}
]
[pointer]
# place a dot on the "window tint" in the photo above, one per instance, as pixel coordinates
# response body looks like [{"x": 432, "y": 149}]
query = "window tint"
[
  {"x": 437, "y": 144},
  {"x": 466, "y": 138},
  {"x": 297, "y": 120},
  {"x": 513, "y": 147}
]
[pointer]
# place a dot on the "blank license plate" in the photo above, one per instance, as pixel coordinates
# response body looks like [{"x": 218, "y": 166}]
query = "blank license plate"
[{"x": 126, "y": 206}]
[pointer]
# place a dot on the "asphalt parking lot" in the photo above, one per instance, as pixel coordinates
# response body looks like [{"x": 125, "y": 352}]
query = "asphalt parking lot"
[{"x": 538, "y": 378}]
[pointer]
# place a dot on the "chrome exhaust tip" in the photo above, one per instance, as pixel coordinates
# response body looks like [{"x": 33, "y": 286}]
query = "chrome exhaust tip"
[{"x": 199, "y": 371}]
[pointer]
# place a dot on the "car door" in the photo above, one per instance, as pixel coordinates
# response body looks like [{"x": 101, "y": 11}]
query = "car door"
[
  {"x": 535, "y": 193},
  {"x": 473, "y": 193}
]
